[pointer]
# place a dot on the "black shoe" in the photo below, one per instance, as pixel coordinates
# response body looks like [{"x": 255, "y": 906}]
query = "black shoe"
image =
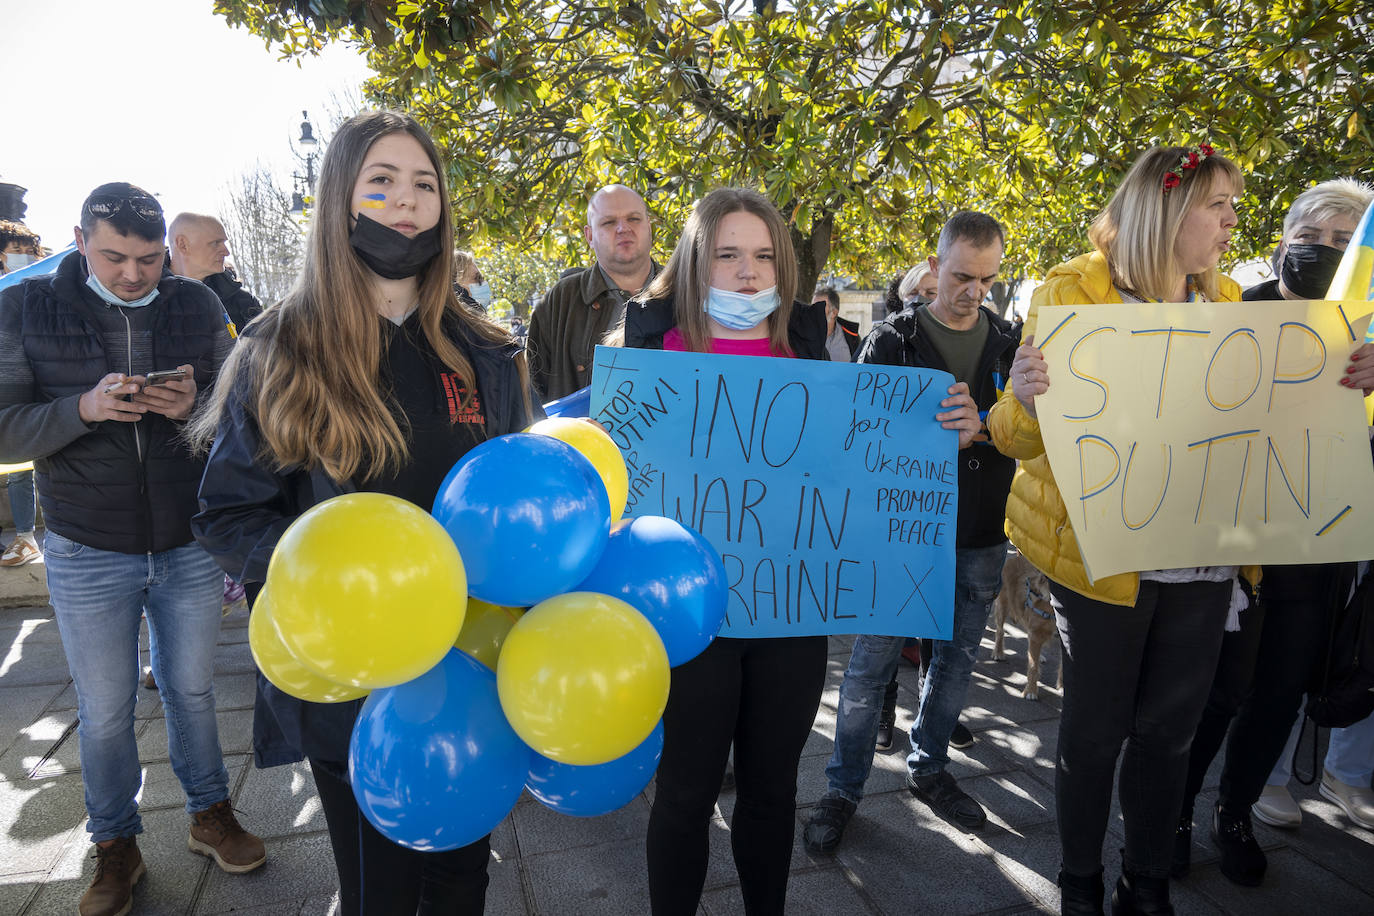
[
  {"x": 1139, "y": 895},
  {"x": 883, "y": 740},
  {"x": 1183, "y": 847},
  {"x": 823, "y": 832},
  {"x": 961, "y": 737},
  {"x": 1080, "y": 896},
  {"x": 945, "y": 798},
  {"x": 1242, "y": 860}
]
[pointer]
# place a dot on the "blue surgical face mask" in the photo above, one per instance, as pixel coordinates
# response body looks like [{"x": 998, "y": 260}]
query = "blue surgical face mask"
[
  {"x": 481, "y": 293},
  {"x": 14, "y": 260},
  {"x": 94, "y": 283},
  {"x": 739, "y": 311}
]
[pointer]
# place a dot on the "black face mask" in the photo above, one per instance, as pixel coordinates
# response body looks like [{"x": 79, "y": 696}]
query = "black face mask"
[
  {"x": 389, "y": 253},
  {"x": 1307, "y": 270}
]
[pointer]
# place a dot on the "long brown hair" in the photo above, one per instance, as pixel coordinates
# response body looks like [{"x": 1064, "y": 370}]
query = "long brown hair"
[
  {"x": 687, "y": 275},
  {"x": 1136, "y": 231},
  {"x": 313, "y": 359}
]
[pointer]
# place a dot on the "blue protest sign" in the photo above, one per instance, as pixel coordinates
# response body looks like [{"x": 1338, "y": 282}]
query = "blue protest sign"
[{"x": 828, "y": 488}]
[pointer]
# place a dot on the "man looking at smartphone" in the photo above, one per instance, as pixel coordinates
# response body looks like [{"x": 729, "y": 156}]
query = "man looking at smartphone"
[{"x": 118, "y": 488}]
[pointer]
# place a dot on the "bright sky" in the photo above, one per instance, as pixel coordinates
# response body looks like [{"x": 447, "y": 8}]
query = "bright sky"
[{"x": 161, "y": 93}]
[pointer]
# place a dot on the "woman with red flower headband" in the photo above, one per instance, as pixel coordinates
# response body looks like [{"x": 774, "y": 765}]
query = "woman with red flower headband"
[{"x": 1140, "y": 648}]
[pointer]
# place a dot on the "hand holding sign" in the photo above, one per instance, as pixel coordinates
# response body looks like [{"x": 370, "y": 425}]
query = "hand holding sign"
[
  {"x": 1030, "y": 374},
  {"x": 962, "y": 415},
  {"x": 1360, "y": 372}
]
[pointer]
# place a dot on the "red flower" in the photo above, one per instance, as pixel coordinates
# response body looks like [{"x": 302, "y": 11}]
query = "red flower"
[
  {"x": 1206, "y": 149},
  {"x": 1172, "y": 180},
  {"x": 1192, "y": 161}
]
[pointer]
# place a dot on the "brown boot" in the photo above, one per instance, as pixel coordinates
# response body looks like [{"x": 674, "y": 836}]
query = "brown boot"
[
  {"x": 117, "y": 869},
  {"x": 216, "y": 833}
]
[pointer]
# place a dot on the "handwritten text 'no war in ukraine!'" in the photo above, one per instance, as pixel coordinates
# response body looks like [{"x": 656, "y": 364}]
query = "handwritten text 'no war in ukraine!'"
[{"x": 805, "y": 485}]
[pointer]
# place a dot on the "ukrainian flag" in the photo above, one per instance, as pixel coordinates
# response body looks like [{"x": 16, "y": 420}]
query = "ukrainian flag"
[
  {"x": 1356, "y": 270},
  {"x": 1354, "y": 280}
]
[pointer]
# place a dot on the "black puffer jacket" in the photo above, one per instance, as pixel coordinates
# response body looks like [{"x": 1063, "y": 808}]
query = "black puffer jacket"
[
  {"x": 241, "y": 305},
  {"x": 245, "y": 507},
  {"x": 984, "y": 473},
  {"x": 123, "y": 487}
]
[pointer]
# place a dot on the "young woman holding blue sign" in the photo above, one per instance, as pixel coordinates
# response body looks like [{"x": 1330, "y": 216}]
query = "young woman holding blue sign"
[
  {"x": 1139, "y": 648},
  {"x": 728, "y": 288},
  {"x": 366, "y": 377}
]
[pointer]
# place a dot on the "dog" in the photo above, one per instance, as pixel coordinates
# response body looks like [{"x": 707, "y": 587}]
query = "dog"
[{"x": 1025, "y": 601}]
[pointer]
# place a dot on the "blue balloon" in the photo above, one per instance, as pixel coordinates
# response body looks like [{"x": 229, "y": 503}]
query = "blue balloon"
[
  {"x": 530, "y": 517},
  {"x": 670, "y": 574},
  {"x": 593, "y": 790},
  {"x": 433, "y": 762}
]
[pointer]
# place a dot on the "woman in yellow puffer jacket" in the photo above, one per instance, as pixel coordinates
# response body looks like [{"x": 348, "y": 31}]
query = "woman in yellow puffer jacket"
[{"x": 1140, "y": 649}]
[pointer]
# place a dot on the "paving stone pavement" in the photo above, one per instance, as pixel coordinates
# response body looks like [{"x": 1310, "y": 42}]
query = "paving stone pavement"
[{"x": 897, "y": 857}]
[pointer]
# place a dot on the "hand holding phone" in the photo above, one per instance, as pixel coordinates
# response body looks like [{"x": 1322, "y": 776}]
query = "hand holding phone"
[
  {"x": 171, "y": 393},
  {"x": 164, "y": 376}
]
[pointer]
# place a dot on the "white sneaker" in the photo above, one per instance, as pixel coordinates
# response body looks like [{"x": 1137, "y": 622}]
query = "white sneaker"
[
  {"x": 22, "y": 551},
  {"x": 1277, "y": 808},
  {"x": 1356, "y": 802}
]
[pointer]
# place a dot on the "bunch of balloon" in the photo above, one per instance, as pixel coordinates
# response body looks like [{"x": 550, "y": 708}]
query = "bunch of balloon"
[{"x": 338, "y": 616}]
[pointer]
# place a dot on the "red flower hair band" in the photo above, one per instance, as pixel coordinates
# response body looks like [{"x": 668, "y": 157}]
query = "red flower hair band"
[{"x": 1189, "y": 160}]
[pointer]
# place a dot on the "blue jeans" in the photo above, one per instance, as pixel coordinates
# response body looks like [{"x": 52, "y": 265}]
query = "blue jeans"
[
  {"x": 98, "y": 597},
  {"x": 20, "y": 486},
  {"x": 977, "y": 580}
]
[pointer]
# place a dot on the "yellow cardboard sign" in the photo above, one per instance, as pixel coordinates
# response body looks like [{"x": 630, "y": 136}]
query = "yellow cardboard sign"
[{"x": 1205, "y": 434}]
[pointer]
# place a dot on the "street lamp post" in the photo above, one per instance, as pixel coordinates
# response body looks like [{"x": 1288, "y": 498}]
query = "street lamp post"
[{"x": 310, "y": 145}]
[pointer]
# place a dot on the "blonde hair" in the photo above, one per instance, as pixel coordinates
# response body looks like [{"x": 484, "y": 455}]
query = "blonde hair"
[
  {"x": 907, "y": 289},
  {"x": 687, "y": 275},
  {"x": 464, "y": 266},
  {"x": 1137, "y": 229},
  {"x": 314, "y": 363}
]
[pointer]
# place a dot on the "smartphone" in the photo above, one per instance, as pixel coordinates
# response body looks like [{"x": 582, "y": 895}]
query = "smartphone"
[{"x": 164, "y": 376}]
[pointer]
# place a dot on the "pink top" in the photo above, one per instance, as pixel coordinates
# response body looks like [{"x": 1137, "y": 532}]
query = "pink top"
[{"x": 672, "y": 340}]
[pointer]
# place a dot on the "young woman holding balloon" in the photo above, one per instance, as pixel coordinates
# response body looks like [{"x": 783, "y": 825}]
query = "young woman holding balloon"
[
  {"x": 368, "y": 376},
  {"x": 728, "y": 288}
]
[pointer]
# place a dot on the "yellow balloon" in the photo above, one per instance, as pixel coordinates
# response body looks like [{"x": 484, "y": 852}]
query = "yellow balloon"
[
  {"x": 583, "y": 678},
  {"x": 598, "y": 447},
  {"x": 368, "y": 590},
  {"x": 485, "y": 628},
  {"x": 280, "y": 667}
]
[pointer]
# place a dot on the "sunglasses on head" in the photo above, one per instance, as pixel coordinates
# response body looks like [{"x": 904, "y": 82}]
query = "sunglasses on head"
[{"x": 142, "y": 206}]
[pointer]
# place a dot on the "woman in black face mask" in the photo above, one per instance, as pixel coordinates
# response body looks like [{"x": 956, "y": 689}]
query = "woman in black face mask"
[
  {"x": 1266, "y": 665},
  {"x": 1316, "y": 232},
  {"x": 368, "y": 376}
]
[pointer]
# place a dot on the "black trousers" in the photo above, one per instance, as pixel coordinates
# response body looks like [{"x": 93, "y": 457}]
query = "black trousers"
[
  {"x": 762, "y": 695},
  {"x": 376, "y": 876},
  {"x": 1137, "y": 675},
  {"x": 1264, "y": 671}
]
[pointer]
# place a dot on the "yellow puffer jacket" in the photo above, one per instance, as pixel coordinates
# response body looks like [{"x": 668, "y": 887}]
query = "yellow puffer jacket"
[{"x": 1037, "y": 522}]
